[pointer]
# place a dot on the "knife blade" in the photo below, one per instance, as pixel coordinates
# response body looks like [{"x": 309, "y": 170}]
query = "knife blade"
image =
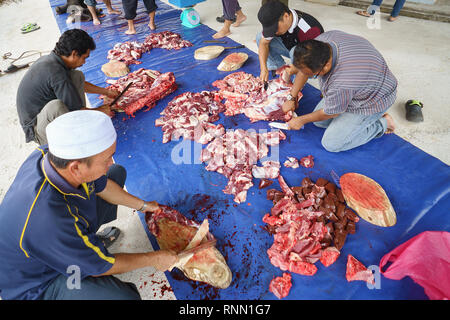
[
  {"x": 279, "y": 125},
  {"x": 121, "y": 94}
]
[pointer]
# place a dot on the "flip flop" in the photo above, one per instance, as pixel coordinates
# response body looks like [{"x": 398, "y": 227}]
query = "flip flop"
[
  {"x": 29, "y": 27},
  {"x": 364, "y": 13},
  {"x": 414, "y": 111},
  {"x": 109, "y": 235}
]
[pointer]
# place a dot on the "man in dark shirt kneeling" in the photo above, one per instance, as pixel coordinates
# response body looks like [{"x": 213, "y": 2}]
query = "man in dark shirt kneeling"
[{"x": 52, "y": 86}]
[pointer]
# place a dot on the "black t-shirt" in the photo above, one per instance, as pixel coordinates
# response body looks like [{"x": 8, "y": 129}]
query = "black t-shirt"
[
  {"x": 290, "y": 40},
  {"x": 47, "y": 79}
]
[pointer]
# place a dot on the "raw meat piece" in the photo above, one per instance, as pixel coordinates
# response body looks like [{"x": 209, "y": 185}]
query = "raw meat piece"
[
  {"x": 235, "y": 153},
  {"x": 299, "y": 222},
  {"x": 264, "y": 183},
  {"x": 174, "y": 232},
  {"x": 148, "y": 87},
  {"x": 165, "y": 40},
  {"x": 291, "y": 162},
  {"x": 233, "y": 61},
  {"x": 329, "y": 256},
  {"x": 131, "y": 51},
  {"x": 115, "y": 69},
  {"x": 307, "y": 162},
  {"x": 128, "y": 52},
  {"x": 280, "y": 286},
  {"x": 245, "y": 93},
  {"x": 189, "y": 115},
  {"x": 357, "y": 271},
  {"x": 269, "y": 170}
]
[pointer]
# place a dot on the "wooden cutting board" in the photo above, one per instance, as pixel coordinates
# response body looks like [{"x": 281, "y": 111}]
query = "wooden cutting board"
[
  {"x": 208, "y": 52},
  {"x": 368, "y": 199}
]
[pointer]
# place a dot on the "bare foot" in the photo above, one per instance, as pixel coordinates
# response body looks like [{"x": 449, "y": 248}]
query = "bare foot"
[
  {"x": 390, "y": 123},
  {"x": 96, "y": 22},
  {"x": 152, "y": 25},
  {"x": 222, "y": 33},
  {"x": 363, "y": 13},
  {"x": 392, "y": 19},
  {"x": 133, "y": 31},
  {"x": 239, "y": 19},
  {"x": 113, "y": 11}
]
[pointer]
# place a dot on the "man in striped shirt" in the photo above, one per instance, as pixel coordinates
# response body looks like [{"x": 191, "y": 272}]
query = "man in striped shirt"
[{"x": 357, "y": 88}]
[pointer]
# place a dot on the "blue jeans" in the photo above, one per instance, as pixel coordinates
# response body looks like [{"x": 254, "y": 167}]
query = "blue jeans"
[
  {"x": 395, "y": 10},
  {"x": 349, "y": 130},
  {"x": 277, "y": 50},
  {"x": 97, "y": 288}
]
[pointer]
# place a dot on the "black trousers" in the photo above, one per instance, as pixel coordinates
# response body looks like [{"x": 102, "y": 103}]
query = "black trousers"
[
  {"x": 130, "y": 7},
  {"x": 106, "y": 211}
]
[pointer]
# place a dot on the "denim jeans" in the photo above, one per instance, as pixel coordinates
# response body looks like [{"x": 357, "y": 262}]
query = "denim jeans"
[
  {"x": 97, "y": 288},
  {"x": 277, "y": 50},
  {"x": 349, "y": 130},
  {"x": 395, "y": 10}
]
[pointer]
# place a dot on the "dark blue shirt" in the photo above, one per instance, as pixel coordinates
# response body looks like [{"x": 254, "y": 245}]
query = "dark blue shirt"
[{"x": 46, "y": 225}]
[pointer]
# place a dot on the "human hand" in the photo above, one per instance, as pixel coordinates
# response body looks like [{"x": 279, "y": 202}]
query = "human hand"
[
  {"x": 264, "y": 74},
  {"x": 111, "y": 93},
  {"x": 152, "y": 207},
  {"x": 106, "y": 109},
  {"x": 296, "y": 123},
  {"x": 289, "y": 105},
  {"x": 165, "y": 259}
]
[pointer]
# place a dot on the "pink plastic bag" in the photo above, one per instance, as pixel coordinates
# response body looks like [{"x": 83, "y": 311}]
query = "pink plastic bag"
[{"x": 426, "y": 259}]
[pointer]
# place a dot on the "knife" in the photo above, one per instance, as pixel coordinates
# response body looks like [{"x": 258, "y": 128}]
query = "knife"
[
  {"x": 279, "y": 125},
  {"x": 121, "y": 94}
]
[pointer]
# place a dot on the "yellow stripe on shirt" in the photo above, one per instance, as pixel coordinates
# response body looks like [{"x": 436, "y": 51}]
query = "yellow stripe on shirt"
[
  {"x": 28, "y": 217},
  {"x": 88, "y": 243}
]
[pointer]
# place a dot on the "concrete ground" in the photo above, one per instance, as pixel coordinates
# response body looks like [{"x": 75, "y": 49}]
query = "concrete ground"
[{"x": 417, "y": 51}]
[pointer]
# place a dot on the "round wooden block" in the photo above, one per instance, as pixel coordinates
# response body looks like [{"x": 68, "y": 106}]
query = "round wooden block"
[
  {"x": 208, "y": 52},
  {"x": 233, "y": 61},
  {"x": 115, "y": 69},
  {"x": 368, "y": 199}
]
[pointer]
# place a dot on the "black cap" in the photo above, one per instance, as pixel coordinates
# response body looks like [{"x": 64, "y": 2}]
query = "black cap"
[{"x": 269, "y": 14}]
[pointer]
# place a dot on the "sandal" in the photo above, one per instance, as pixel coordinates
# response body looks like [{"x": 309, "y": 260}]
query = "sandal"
[
  {"x": 364, "y": 13},
  {"x": 29, "y": 27},
  {"x": 414, "y": 111},
  {"x": 108, "y": 235}
]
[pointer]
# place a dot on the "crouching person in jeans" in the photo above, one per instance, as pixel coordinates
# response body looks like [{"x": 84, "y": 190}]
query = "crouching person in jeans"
[
  {"x": 357, "y": 88},
  {"x": 49, "y": 217}
]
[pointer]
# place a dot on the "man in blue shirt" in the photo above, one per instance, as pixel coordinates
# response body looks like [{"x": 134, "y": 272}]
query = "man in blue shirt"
[{"x": 49, "y": 217}]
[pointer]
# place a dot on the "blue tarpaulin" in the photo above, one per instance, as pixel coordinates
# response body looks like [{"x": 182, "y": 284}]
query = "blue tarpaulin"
[{"x": 417, "y": 184}]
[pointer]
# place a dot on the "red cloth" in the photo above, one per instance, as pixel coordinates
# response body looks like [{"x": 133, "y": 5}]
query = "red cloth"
[{"x": 426, "y": 259}]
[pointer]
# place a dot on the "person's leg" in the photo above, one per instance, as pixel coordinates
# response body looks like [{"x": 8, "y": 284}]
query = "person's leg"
[
  {"x": 349, "y": 130},
  {"x": 91, "y": 7},
  {"x": 50, "y": 112},
  {"x": 129, "y": 8},
  {"x": 396, "y": 10},
  {"x": 110, "y": 8},
  {"x": 229, "y": 11},
  {"x": 277, "y": 50},
  {"x": 240, "y": 16},
  {"x": 371, "y": 10},
  {"x": 151, "y": 7},
  {"x": 91, "y": 288},
  {"x": 106, "y": 211}
]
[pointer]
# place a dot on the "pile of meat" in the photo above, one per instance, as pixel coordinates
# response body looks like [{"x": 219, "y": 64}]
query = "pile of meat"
[
  {"x": 173, "y": 231},
  {"x": 129, "y": 52},
  {"x": 190, "y": 115},
  {"x": 234, "y": 155},
  {"x": 309, "y": 223},
  {"x": 245, "y": 93},
  {"x": 148, "y": 87}
]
